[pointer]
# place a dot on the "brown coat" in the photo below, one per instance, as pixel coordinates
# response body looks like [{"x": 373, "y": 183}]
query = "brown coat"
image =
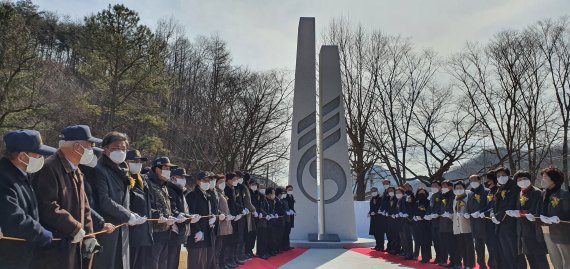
[
  {"x": 225, "y": 227},
  {"x": 63, "y": 209}
]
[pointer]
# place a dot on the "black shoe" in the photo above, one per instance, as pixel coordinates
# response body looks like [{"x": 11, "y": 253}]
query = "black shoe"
[
  {"x": 228, "y": 266},
  {"x": 264, "y": 256},
  {"x": 424, "y": 261},
  {"x": 238, "y": 262},
  {"x": 231, "y": 264}
]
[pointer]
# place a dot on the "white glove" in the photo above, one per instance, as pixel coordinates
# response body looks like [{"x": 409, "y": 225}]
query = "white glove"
[
  {"x": 545, "y": 219},
  {"x": 515, "y": 214},
  {"x": 78, "y": 236},
  {"x": 555, "y": 219},
  {"x": 445, "y": 215},
  {"x": 481, "y": 215},
  {"x": 495, "y": 220},
  {"x": 434, "y": 216},
  {"x": 260, "y": 215},
  {"x": 475, "y": 215},
  {"x": 133, "y": 219},
  {"x": 238, "y": 217},
  {"x": 401, "y": 214},
  {"x": 199, "y": 237},
  {"x": 419, "y": 218},
  {"x": 212, "y": 220},
  {"x": 222, "y": 217},
  {"x": 171, "y": 220},
  {"x": 255, "y": 214},
  {"x": 230, "y": 217},
  {"x": 181, "y": 218},
  {"x": 245, "y": 211},
  {"x": 467, "y": 216},
  {"x": 141, "y": 220},
  {"x": 162, "y": 219},
  {"x": 195, "y": 218},
  {"x": 90, "y": 244},
  {"x": 275, "y": 216},
  {"x": 509, "y": 213},
  {"x": 405, "y": 215},
  {"x": 427, "y": 217},
  {"x": 530, "y": 217},
  {"x": 372, "y": 214},
  {"x": 267, "y": 217}
]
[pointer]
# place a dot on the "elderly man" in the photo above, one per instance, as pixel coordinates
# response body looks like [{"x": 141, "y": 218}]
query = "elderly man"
[
  {"x": 18, "y": 205},
  {"x": 111, "y": 189},
  {"x": 181, "y": 230},
  {"x": 62, "y": 202},
  {"x": 201, "y": 237}
]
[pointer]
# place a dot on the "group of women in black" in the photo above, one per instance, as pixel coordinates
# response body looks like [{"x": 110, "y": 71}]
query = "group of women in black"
[{"x": 495, "y": 221}]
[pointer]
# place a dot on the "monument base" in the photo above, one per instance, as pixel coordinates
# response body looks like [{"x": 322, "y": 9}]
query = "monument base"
[
  {"x": 324, "y": 238},
  {"x": 359, "y": 243}
]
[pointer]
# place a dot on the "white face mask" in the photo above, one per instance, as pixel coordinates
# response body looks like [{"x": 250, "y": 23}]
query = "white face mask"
[
  {"x": 290, "y": 192},
  {"x": 240, "y": 180},
  {"x": 391, "y": 194},
  {"x": 204, "y": 186},
  {"x": 118, "y": 156},
  {"x": 135, "y": 168},
  {"x": 374, "y": 193},
  {"x": 545, "y": 183},
  {"x": 475, "y": 185},
  {"x": 399, "y": 195},
  {"x": 253, "y": 188},
  {"x": 235, "y": 183},
  {"x": 93, "y": 163},
  {"x": 434, "y": 190},
  {"x": 181, "y": 182},
  {"x": 458, "y": 192},
  {"x": 165, "y": 173},
  {"x": 283, "y": 196},
  {"x": 444, "y": 190},
  {"x": 222, "y": 186},
  {"x": 523, "y": 184},
  {"x": 87, "y": 155},
  {"x": 212, "y": 184},
  {"x": 34, "y": 164},
  {"x": 262, "y": 191},
  {"x": 386, "y": 187},
  {"x": 503, "y": 180}
]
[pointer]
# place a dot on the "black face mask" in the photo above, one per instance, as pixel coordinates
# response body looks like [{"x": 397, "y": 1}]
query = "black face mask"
[{"x": 422, "y": 196}]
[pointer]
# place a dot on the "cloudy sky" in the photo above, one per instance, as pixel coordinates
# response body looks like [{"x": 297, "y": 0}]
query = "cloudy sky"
[{"x": 261, "y": 34}]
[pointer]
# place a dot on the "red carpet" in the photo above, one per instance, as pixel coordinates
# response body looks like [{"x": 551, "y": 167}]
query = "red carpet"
[
  {"x": 395, "y": 259},
  {"x": 274, "y": 262}
]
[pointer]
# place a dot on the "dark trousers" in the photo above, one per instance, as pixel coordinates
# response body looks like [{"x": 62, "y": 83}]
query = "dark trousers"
[
  {"x": 276, "y": 230},
  {"x": 158, "y": 253},
  {"x": 262, "y": 242},
  {"x": 448, "y": 248},
  {"x": 379, "y": 241},
  {"x": 241, "y": 229},
  {"x": 285, "y": 242},
  {"x": 173, "y": 251},
  {"x": 406, "y": 239},
  {"x": 480, "y": 250},
  {"x": 198, "y": 258},
  {"x": 493, "y": 246},
  {"x": 466, "y": 250},
  {"x": 221, "y": 248},
  {"x": 138, "y": 257},
  {"x": 509, "y": 246},
  {"x": 537, "y": 261},
  {"x": 435, "y": 238},
  {"x": 423, "y": 239},
  {"x": 393, "y": 234},
  {"x": 250, "y": 242}
]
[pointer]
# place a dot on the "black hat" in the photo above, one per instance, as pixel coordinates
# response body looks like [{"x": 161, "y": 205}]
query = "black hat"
[
  {"x": 201, "y": 175},
  {"x": 79, "y": 133},
  {"x": 27, "y": 141},
  {"x": 181, "y": 172},
  {"x": 163, "y": 161},
  {"x": 134, "y": 154}
]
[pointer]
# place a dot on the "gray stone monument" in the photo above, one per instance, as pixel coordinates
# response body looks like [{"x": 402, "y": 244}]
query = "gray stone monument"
[{"x": 338, "y": 198}]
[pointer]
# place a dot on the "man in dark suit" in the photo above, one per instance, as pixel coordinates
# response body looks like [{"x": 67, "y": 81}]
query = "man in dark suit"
[
  {"x": 201, "y": 233},
  {"x": 19, "y": 215}
]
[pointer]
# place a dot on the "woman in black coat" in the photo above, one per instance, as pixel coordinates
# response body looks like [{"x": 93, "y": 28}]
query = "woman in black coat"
[
  {"x": 422, "y": 227},
  {"x": 374, "y": 215}
]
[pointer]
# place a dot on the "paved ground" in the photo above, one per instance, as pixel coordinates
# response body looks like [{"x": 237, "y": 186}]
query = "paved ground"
[{"x": 338, "y": 258}]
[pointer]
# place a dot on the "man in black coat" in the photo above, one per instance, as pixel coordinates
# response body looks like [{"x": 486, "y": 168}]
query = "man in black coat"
[
  {"x": 446, "y": 226},
  {"x": 291, "y": 203},
  {"x": 201, "y": 237},
  {"x": 140, "y": 236},
  {"x": 476, "y": 206},
  {"x": 492, "y": 239},
  {"x": 374, "y": 215},
  {"x": 181, "y": 230},
  {"x": 18, "y": 205}
]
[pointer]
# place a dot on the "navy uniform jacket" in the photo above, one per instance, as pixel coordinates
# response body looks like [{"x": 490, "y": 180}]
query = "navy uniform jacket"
[
  {"x": 199, "y": 202},
  {"x": 446, "y": 224},
  {"x": 477, "y": 202},
  {"x": 18, "y": 217},
  {"x": 435, "y": 208},
  {"x": 506, "y": 199},
  {"x": 556, "y": 202},
  {"x": 530, "y": 233}
]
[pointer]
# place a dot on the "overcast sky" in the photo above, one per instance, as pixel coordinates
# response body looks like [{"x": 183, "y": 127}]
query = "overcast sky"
[{"x": 261, "y": 34}]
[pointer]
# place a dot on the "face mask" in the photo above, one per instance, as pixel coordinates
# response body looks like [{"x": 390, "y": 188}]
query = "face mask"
[
  {"x": 290, "y": 192},
  {"x": 434, "y": 190},
  {"x": 240, "y": 180},
  {"x": 181, "y": 182},
  {"x": 87, "y": 155},
  {"x": 545, "y": 183},
  {"x": 135, "y": 168},
  {"x": 262, "y": 191},
  {"x": 374, "y": 193},
  {"x": 386, "y": 187},
  {"x": 523, "y": 184},
  {"x": 235, "y": 183},
  {"x": 34, "y": 164},
  {"x": 391, "y": 194},
  {"x": 212, "y": 184},
  {"x": 444, "y": 191},
  {"x": 118, "y": 156},
  {"x": 422, "y": 195},
  {"x": 458, "y": 192},
  {"x": 283, "y": 196},
  {"x": 399, "y": 195},
  {"x": 503, "y": 180},
  {"x": 93, "y": 163},
  {"x": 253, "y": 188},
  {"x": 222, "y": 186},
  {"x": 165, "y": 173},
  {"x": 204, "y": 186},
  {"x": 475, "y": 185}
]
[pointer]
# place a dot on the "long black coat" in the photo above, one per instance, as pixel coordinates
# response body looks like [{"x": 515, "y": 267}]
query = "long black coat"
[
  {"x": 18, "y": 217},
  {"x": 140, "y": 235},
  {"x": 556, "y": 202},
  {"x": 375, "y": 203},
  {"x": 98, "y": 220},
  {"x": 477, "y": 202},
  {"x": 446, "y": 224},
  {"x": 291, "y": 203},
  {"x": 506, "y": 199},
  {"x": 199, "y": 203},
  {"x": 435, "y": 208},
  {"x": 530, "y": 233},
  {"x": 179, "y": 206}
]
